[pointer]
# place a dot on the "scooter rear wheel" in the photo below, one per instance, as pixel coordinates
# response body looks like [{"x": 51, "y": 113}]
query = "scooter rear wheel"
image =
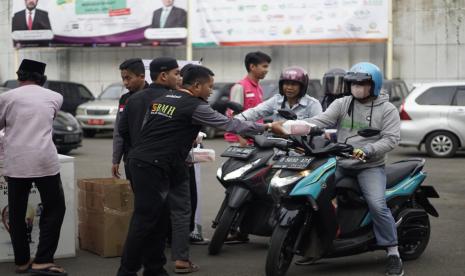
[
  {"x": 222, "y": 230},
  {"x": 412, "y": 250},
  {"x": 281, "y": 251}
]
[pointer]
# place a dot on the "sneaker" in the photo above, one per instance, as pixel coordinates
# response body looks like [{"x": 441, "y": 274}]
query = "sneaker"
[
  {"x": 394, "y": 266},
  {"x": 197, "y": 239}
]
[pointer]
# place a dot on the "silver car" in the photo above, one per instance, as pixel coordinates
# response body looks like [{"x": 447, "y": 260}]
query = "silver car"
[
  {"x": 434, "y": 115},
  {"x": 100, "y": 114}
]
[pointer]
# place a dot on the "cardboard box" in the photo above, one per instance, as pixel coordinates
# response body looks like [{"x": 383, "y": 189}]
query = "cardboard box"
[{"x": 105, "y": 208}]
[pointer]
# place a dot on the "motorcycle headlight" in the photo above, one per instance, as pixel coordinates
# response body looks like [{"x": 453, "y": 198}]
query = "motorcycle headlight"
[
  {"x": 80, "y": 111},
  {"x": 238, "y": 172},
  {"x": 281, "y": 185}
]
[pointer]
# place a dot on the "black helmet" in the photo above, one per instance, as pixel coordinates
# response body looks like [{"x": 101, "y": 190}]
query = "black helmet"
[
  {"x": 333, "y": 82},
  {"x": 297, "y": 74}
]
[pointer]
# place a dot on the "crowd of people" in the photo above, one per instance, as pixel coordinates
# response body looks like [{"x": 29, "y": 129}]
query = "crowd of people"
[{"x": 156, "y": 127}]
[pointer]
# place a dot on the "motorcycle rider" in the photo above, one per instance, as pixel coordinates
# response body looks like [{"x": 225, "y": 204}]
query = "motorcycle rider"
[
  {"x": 293, "y": 84},
  {"x": 368, "y": 107}
]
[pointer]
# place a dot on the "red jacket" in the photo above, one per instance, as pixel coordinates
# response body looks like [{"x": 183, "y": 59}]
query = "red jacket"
[{"x": 253, "y": 96}]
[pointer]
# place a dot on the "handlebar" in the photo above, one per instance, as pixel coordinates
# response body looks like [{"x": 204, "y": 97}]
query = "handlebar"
[{"x": 350, "y": 156}]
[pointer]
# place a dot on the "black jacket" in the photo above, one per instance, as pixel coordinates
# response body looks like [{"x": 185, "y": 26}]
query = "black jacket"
[
  {"x": 168, "y": 132},
  {"x": 120, "y": 148},
  {"x": 40, "y": 22},
  {"x": 132, "y": 117}
]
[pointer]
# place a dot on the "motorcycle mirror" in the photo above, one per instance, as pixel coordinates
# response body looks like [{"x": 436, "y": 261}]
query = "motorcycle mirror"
[
  {"x": 368, "y": 132},
  {"x": 287, "y": 114},
  {"x": 237, "y": 108}
]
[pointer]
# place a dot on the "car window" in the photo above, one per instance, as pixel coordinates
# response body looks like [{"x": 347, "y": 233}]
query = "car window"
[
  {"x": 441, "y": 95},
  {"x": 396, "y": 92},
  {"x": 270, "y": 89},
  {"x": 56, "y": 86},
  {"x": 460, "y": 97},
  {"x": 71, "y": 90},
  {"x": 84, "y": 93},
  {"x": 11, "y": 84},
  {"x": 403, "y": 88},
  {"x": 112, "y": 92}
]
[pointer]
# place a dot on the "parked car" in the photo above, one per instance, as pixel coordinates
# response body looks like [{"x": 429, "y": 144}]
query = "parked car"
[
  {"x": 73, "y": 93},
  {"x": 100, "y": 114},
  {"x": 67, "y": 133},
  {"x": 397, "y": 91},
  {"x": 434, "y": 115}
]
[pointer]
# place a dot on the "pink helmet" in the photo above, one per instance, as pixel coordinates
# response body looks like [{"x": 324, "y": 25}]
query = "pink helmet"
[{"x": 297, "y": 74}]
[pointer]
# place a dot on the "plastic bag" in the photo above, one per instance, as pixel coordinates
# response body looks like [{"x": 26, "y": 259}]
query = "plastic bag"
[
  {"x": 203, "y": 155},
  {"x": 297, "y": 127}
]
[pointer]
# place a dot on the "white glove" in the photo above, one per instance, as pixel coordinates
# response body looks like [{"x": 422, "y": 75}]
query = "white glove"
[{"x": 200, "y": 137}]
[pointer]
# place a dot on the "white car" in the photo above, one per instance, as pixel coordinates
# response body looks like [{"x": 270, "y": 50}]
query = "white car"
[
  {"x": 100, "y": 114},
  {"x": 433, "y": 114}
]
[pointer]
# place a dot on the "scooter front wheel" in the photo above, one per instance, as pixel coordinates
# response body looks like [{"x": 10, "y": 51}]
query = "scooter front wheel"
[
  {"x": 281, "y": 251},
  {"x": 222, "y": 230}
]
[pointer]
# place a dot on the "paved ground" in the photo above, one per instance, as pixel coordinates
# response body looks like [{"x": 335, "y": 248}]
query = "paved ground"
[{"x": 445, "y": 254}]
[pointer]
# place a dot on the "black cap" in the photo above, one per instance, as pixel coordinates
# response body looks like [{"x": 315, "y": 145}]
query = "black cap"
[
  {"x": 32, "y": 66},
  {"x": 163, "y": 64}
]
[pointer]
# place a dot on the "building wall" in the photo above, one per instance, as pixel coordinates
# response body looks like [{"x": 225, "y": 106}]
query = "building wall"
[{"x": 429, "y": 39}]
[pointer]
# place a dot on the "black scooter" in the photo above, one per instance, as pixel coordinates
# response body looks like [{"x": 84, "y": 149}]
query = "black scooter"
[{"x": 247, "y": 205}]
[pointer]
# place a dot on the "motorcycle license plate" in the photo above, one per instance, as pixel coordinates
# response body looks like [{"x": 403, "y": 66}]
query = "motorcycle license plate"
[
  {"x": 238, "y": 152},
  {"x": 292, "y": 162},
  {"x": 94, "y": 122}
]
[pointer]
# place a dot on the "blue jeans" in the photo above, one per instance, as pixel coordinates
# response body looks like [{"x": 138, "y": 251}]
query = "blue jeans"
[{"x": 372, "y": 182}]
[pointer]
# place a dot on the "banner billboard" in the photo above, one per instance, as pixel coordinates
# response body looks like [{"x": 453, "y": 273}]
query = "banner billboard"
[
  {"x": 263, "y": 22},
  {"x": 99, "y": 22},
  {"x": 127, "y": 23}
]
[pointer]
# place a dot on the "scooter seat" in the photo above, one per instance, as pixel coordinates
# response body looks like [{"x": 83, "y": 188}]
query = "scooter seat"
[
  {"x": 398, "y": 171},
  {"x": 395, "y": 173}
]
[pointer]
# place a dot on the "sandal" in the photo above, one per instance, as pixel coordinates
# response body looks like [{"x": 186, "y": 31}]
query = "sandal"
[
  {"x": 51, "y": 270},
  {"x": 184, "y": 270},
  {"x": 23, "y": 270}
]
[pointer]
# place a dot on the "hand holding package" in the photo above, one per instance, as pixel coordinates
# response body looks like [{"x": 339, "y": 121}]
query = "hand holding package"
[{"x": 297, "y": 127}]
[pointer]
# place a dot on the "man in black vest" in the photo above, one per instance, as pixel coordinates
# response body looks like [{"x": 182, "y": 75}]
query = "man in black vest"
[
  {"x": 133, "y": 76},
  {"x": 168, "y": 127}
]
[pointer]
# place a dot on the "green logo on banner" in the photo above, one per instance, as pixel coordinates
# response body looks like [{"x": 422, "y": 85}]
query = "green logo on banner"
[{"x": 98, "y": 6}]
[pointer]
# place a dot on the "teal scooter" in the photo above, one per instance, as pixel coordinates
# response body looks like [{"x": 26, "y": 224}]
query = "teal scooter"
[{"x": 318, "y": 218}]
